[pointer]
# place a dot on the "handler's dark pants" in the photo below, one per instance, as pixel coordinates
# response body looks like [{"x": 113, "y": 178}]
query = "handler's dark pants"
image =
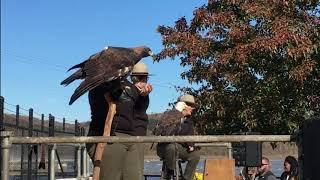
[
  {"x": 169, "y": 152},
  {"x": 120, "y": 161}
]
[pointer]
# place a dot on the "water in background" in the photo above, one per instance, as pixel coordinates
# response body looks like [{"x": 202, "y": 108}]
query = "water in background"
[{"x": 154, "y": 167}]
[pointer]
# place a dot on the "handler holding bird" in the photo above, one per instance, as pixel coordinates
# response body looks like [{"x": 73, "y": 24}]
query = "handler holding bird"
[{"x": 118, "y": 107}]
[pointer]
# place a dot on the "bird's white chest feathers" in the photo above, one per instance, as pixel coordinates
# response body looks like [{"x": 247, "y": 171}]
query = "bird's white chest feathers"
[{"x": 124, "y": 71}]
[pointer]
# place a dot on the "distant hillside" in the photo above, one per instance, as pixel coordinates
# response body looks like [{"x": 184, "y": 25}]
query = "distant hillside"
[
  {"x": 153, "y": 120},
  {"x": 24, "y": 122},
  {"x": 156, "y": 116}
]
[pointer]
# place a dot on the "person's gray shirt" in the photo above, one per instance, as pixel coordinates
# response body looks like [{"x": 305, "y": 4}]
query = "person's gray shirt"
[{"x": 267, "y": 176}]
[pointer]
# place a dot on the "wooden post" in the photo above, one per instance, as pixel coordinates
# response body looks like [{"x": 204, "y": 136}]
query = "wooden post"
[
  {"x": 1, "y": 113},
  {"x": 17, "y": 116},
  {"x": 63, "y": 124},
  {"x": 51, "y": 125},
  {"x": 42, "y": 124},
  {"x": 106, "y": 132},
  {"x": 30, "y": 122},
  {"x": 76, "y": 127}
]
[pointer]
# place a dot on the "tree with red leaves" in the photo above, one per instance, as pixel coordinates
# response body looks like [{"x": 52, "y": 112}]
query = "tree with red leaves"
[{"x": 257, "y": 63}]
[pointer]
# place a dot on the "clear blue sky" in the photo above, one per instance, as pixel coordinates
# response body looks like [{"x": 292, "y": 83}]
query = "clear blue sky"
[{"x": 41, "y": 39}]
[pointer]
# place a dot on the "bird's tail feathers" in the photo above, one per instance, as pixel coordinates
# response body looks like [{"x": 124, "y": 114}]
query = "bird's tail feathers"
[
  {"x": 83, "y": 88},
  {"x": 77, "y": 75},
  {"x": 86, "y": 86},
  {"x": 77, "y": 66}
]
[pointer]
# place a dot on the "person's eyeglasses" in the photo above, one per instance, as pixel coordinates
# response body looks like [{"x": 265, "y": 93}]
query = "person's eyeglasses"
[{"x": 263, "y": 165}]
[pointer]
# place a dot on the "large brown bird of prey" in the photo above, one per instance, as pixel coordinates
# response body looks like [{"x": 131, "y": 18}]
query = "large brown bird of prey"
[{"x": 110, "y": 64}]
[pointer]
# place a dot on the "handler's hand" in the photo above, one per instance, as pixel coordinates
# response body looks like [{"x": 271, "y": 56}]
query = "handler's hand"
[
  {"x": 191, "y": 148},
  {"x": 144, "y": 88}
]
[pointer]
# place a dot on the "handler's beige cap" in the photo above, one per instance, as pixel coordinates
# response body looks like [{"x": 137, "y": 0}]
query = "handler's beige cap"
[
  {"x": 188, "y": 99},
  {"x": 140, "y": 69}
]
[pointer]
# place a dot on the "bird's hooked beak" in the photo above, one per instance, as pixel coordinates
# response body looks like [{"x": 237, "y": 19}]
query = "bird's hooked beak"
[{"x": 152, "y": 55}]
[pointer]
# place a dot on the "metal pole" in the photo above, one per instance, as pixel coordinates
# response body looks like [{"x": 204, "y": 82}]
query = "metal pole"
[
  {"x": 84, "y": 161},
  {"x": 52, "y": 160},
  {"x": 50, "y": 147},
  {"x": 29, "y": 173},
  {"x": 79, "y": 162},
  {"x": 88, "y": 164},
  {"x": 30, "y": 147},
  {"x": 60, "y": 164},
  {"x": 22, "y": 155},
  {"x": 150, "y": 139},
  {"x": 36, "y": 156},
  {"x": 229, "y": 147},
  {"x": 84, "y": 157},
  {"x": 75, "y": 149},
  {"x": 176, "y": 161},
  {"x": 5, "y": 147}
]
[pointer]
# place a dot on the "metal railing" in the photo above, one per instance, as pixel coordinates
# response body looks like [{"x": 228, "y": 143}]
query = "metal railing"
[
  {"x": 151, "y": 139},
  {"x": 27, "y": 122},
  {"x": 7, "y": 140},
  {"x": 78, "y": 140}
]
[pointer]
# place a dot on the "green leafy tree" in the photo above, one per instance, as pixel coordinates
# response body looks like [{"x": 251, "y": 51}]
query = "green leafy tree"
[{"x": 256, "y": 63}]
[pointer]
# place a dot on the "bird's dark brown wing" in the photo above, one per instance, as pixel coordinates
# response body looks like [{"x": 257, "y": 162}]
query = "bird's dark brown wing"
[{"x": 106, "y": 66}]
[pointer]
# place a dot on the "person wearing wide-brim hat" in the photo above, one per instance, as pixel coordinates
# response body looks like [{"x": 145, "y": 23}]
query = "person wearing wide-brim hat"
[
  {"x": 139, "y": 77},
  {"x": 184, "y": 125},
  {"x": 188, "y": 99},
  {"x": 122, "y": 161}
]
